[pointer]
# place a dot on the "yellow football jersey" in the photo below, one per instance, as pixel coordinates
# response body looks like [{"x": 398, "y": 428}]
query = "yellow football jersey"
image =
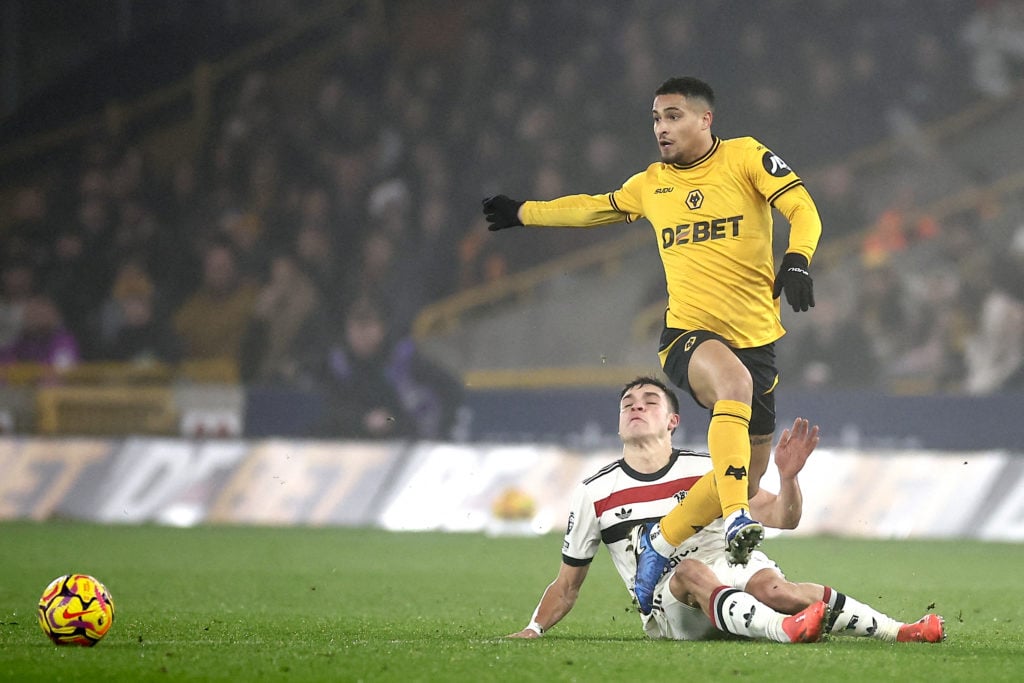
[{"x": 713, "y": 222}]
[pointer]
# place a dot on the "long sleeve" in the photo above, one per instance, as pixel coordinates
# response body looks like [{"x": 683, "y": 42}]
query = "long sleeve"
[
  {"x": 577, "y": 211},
  {"x": 804, "y": 222}
]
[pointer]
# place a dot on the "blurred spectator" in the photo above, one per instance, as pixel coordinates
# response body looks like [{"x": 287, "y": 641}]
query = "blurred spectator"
[
  {"x": 284, "y": 306},
  {"x": 898, "y": 226},
  {"x": 17, "y": 283},
  {"x": 43, "y": 339},
  {"x": 246, "y": 234},
  {"x": 212, "y": 321},
  {"x": 132, "y": 331},
  {"x": 930, "y": 359},
  {"x": 379, "y": 386},
  {"x": 388, "y": 272},
  {"x": 883, "y": 309},
  {"x": 834, "y": 351},
  {"x": 995, "y": 353},
  {"x": 841, "y": 207},
  {"x": 77, "y": 287},
  {"x": 320, "y": 260},
  {"x": 995, "y": 35}
]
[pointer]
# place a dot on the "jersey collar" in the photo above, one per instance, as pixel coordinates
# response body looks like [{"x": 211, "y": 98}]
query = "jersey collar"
[
  {"x": 652, "y": 476},
  {"x": 715, "y": 141}
]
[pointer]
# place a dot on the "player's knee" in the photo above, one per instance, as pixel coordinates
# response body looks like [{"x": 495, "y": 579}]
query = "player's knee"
[
  {"x": 692, "y": 575},
  {"x": 735, "y": 385},
  {"x": 689, "y": 570},
  {"x": 689, "y": 580}
]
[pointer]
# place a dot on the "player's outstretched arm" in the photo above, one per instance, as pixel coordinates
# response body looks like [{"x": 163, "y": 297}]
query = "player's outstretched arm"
[
  {"x": 557, "y": 601},
  {"x": 783, "y": 510}
]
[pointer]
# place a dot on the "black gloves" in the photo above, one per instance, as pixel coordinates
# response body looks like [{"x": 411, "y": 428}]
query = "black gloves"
[
  {"x": 794, "y": 278},
  {"x": 501, "y": 212}
]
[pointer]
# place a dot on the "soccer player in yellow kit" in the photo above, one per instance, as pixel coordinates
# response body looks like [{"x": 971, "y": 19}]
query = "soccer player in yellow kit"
[{"x": 710, "y": 203}]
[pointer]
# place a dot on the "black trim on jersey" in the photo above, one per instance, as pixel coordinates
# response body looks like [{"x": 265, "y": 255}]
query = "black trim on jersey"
[
  {"x": 622, "y": 530},
  {"x": 784, "y": 189},
  {"x": 615, "y": 206},
  {"x": 715, "y": 142},
  {"x": 643, "y": 476},
  {"x": 604, "y": 470},
  {"x": 573, "y": 562}
]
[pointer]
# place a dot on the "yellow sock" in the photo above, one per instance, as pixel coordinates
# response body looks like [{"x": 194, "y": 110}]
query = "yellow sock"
[
  {"x": 729, "y": 446},
  {"x": 700, "y": 507}
]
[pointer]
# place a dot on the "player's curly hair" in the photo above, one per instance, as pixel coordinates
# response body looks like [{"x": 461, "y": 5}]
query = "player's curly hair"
[{"x": 688, "y": 86}]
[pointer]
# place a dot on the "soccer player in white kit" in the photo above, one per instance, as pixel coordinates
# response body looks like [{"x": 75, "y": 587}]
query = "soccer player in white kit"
[{"x": 701, "y": 594}]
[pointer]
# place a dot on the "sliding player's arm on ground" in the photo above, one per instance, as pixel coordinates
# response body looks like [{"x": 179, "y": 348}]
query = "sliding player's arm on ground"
[
  {"x": 782, "y": 510},
  {"x": 557, "y": 601}
]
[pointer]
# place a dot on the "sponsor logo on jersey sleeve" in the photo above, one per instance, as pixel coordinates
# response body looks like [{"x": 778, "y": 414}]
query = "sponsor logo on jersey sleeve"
[{"x": 774, "y": 164}]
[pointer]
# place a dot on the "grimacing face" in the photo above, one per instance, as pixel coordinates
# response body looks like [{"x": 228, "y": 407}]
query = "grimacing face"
[{"x": 645, "y": 411}]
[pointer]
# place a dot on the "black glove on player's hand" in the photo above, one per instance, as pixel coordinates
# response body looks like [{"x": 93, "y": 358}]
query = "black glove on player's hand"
[
  {"x": 794, "y": 278},
  {"x": 501, "y": 212}
]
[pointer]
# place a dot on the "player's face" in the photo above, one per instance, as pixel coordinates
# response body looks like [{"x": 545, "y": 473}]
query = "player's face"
[
  {"x": 644, "y": 411},
  {"x": 682, "y": 127}
]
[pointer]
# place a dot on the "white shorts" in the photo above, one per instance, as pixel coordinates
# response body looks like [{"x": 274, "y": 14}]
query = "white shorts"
[{"x": 678, "y": 621}]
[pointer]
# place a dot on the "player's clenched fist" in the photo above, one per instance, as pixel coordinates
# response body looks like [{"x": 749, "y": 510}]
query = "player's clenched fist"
[
  {"x": 796, "y": 280},
  {"x": 501, "y": 212}
]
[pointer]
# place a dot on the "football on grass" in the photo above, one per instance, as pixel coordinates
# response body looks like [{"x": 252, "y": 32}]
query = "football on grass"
[{"x": 76, "y": 609}]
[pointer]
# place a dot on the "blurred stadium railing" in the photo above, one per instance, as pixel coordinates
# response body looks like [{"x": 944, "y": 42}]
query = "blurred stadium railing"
[{"x": 192, "y": 398}]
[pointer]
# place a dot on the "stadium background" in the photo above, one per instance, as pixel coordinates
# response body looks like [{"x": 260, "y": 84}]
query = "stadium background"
[{"x": 359, "y": 137}]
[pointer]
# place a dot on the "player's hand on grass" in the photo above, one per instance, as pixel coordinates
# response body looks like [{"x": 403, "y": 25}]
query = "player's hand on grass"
[
  {"x": 795, "y": 279},
  {"x": 501, "y": 212},
  {"x": 794, "y": 447}
]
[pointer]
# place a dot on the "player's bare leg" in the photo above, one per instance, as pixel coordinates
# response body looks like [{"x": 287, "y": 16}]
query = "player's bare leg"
[{"x": 740, "y": 613}]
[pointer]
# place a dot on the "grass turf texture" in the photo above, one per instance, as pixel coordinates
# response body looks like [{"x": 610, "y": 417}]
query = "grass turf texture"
[{"x": 230, "y": 603}]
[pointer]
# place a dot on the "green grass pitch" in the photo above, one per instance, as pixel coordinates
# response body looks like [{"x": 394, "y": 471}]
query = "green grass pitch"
[{"x": 241, "y": 604}]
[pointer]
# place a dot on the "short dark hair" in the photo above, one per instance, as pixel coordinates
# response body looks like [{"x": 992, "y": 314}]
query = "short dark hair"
[
  {"x": 673, "y": 400},
  {"x": 688, "y": 86}
]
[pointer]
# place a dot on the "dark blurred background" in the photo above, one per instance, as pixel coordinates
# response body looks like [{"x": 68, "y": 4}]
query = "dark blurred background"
[{"x": 263, "y": 217}]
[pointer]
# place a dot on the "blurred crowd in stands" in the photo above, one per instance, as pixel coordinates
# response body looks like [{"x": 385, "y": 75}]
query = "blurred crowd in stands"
[{"x": 328, "y": 207}]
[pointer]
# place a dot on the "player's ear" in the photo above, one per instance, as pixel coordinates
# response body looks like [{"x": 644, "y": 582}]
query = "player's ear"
[
  {"x": 705, "y": 120},
  {"x": 673, "y": 421}
]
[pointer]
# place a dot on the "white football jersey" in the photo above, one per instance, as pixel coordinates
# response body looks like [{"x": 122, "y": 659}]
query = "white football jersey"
[{"x": 606, "y": 506}]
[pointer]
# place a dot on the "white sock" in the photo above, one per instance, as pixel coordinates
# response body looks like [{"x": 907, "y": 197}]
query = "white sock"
[
  {"x": 853, "y": 618},
  {"x": 734, "y": 515},
  {"x": 658, "y": 542},
  {"x": 741, "y": 614}
]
